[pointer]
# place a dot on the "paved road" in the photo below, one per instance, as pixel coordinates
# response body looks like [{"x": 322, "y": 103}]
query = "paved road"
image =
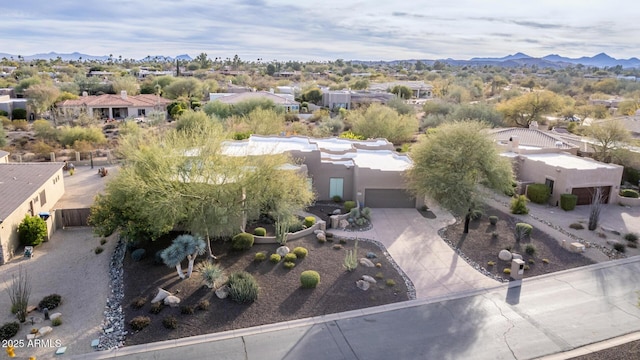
[{"x": 538, "y": 317}]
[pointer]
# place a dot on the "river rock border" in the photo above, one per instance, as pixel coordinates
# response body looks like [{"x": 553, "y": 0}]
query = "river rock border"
[
  {"x": 113, "y": 330},
  {"x": 411, "y": 289}
]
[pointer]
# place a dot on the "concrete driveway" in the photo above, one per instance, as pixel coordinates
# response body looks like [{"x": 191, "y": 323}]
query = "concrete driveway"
[{"x": 413, "y": 242}]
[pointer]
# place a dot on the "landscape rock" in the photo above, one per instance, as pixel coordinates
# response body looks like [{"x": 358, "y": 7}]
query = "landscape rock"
[
  {"x": 371, "y": 255},
  {"x": 45, "y": 330},
  {"x": 369, "y": 279},
  {"x": 31, "y": 308},
  {"x": 366, "y": 262},
  {"x": 504, "y": 255},
  {"x": 321, "y": 237},
  {"x": 162, "y": 294},
  {"x": 343, "y": 224},
  {"x": 515, "y": 256},
  {"x": 172, "y": 301},
  {"x": 363, "y": 285},
  {"x": 282, "y": 251},
  {"x": 613, "y": 242},
  {"x": 222, "y": 292},
  {"x": 318, "y": 231},
  {"x": 55, "y": 316},
  {"x": 336, "y": 212}
]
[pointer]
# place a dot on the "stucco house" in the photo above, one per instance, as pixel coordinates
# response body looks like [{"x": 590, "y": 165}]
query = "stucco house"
[
  {"x": 109, "y": 106},
  {"x": 544, "y": 158},
  {"x": 367, "y": 171},
  {"x": 26, "y": 188}
]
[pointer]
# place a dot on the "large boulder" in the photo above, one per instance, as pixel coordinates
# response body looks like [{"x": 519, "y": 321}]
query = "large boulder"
[
  {"x": 363, "y": 285},
  {"x": 369, "y": 279},
  {"x": 282, "y": 251},
  {"x": 44, "y": 330},
  {"x": 504, "y": 255},
  {"x": 162, "y": 294},
  {"x": 55, "y": 316},
  {"x": 172, "y": 301},
  {"x": 222, "y": 292},
  {"x": 321, "y": 236},
  {"x": 366, "y": 263},
  {"x": 337, "y": 212}
]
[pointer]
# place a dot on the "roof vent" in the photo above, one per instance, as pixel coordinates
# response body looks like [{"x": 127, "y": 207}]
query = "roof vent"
[{"x": 559, "y": 144}]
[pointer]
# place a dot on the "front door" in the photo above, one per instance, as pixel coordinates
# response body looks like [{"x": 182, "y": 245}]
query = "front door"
[{"x": 336, "y": 187}]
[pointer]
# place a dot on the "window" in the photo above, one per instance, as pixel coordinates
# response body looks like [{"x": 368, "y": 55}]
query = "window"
[
  {"x": 336, "y": 187},
  {"x": 549, "y": 184},
  {"x": 43, "y": 198},
  {"x": 141, "y": 112}
]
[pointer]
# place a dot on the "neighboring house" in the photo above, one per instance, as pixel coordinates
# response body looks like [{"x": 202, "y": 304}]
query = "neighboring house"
[
  {"x": 368, "y": 171},
  {"x": 336, "y": 99},
  {"x": 283, "y": 101},
  {"x": 26, "y": 188},
  {"x": 545, "y": 158},
  {"x": 420, "y": 88},
  {"x": 4, "y": 157},
  {"x": 8, "y": 104},
  {"x": 347, "y": 99},
  {"x": 110, "y": 106}
]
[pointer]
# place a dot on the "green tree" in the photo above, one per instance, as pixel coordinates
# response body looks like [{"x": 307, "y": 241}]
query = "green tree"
[
  {"x": 521, "y": 110},
  {"x": 32, "y": 230},
  {"x": 127, "y": 83},
  {"x": 204, "y": 61},
  {"x": 3, "y": 137},
  {"x": 313, "y": 95},
  {"x": 452, "y": 162},
  {"x": 360, "y": 84},
  {"x": 379, "y": 121},
  {"x": 608, "y": 137},
  {"x": 42, "y": 97},
  {"x": 184, "y": 87},
  {"x": 402, "y": 91}
]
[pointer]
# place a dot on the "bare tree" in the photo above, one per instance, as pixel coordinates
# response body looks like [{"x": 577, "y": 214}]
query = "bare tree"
[
  {"x": 19, "y": 291},
  {"x": 596, "y": 207}
]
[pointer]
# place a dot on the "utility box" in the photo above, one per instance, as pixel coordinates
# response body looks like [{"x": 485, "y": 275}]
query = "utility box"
[{"x": 517, "y": 269}]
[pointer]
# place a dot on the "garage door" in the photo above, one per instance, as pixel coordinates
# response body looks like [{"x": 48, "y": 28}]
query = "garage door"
[
  {"x": 585, "y": 194},
  {"x": 388, "y": 198}
]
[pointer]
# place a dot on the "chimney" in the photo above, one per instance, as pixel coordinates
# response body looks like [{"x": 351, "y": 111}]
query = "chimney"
[
  {"x": 123, "y": 94},
  {"x": 84, "y": 93},
  {"x": 514, "y": 144}
]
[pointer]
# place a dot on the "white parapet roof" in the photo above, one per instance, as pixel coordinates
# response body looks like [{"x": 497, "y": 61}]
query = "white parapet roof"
[
  {"x": 568, "y": 161},
  {"x": 265, "y": 145},
  {"x": 384, "y": 160}
]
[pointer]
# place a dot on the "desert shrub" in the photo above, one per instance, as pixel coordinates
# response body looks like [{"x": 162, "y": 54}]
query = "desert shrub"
[
  {"x": 290, "y": 257},
  {"x": 32, "y": 230},
  {"x": 530, "y": 249},
  {"x": 378, "y": 265},
  {"x": 632, "y": 245},
  {"x": 366, "y": 213},
  {"x": 476, "y": 214},
  {"x": 506, "y": 271},
  {"x": 568, "y": 202},
  {"x": 576, "y": 226},
  {"x": 523, "y": 230},
  {"x": 98, "y": 250},
  {"x": 630, "y": 193},
  {"x": 19, "y": 114},
  {"x": 242, "y": 241},
  {"x": 138, "y": 302},
  {"x": 329, "y": 235},
  {"x": 379, "y": 276},
  {"x": 187, "y": 310},
  {"x": 138, "y": 254},
  {"x": 493, "y": 219},
  {"x": 289, "y": 264},
  {"x": 322, "y": 240},
  {"x": 619, "y": 247},
  {"x": 50, "y": 302},
  {"x": 275, "y": 258},
  {"x": 170, "y": 322},
  {"x": 243, "y": 287},
  {"x": 491, "y": 263},
  {"x": 203, "y": 304},
  {"x": 260, "y": 231},
  {"x": 546, "y": 261},
  {"x": 494, "y": 234},
  {"x": 631, "y": 237},
  {"x": 300, "y": 252},
  {"x": 531, "y": 261},
  {"x": 309, "y": 279},
  {"x": 390, "y": 282},
  {"x": 156, "y": 307},
  {"x": 103, "y": 241},
  {"x": 309, "y": 221},
  {"x": 519, "y": 205},
  {"x": 336, "y": 198},
  {"x": 348, "y": 205},
  {"x": 343, "y": 241},
  {"x": 56, "y": 322},
  {"x": 538, "y": 193},
  {"x": 67, "y": 136},
  {"x": 9, "y": 330},
  {"x": 139, "y": 322},
  {"x": 260, "y": 256}
]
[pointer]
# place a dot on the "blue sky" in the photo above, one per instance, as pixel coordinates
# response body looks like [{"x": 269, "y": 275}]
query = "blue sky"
[{"x": 322, "y": 30}]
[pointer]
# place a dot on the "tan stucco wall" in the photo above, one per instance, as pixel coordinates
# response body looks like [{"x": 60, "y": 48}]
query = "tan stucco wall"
[
  {"x": 567, "y": 179},
  {"x": 9, "y": 227}
]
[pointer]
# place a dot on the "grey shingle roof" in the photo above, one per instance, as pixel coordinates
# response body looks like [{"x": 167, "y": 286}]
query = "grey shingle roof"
[
  {"x": 531, "y": 137},
  {"x": 18, "y": 182}
]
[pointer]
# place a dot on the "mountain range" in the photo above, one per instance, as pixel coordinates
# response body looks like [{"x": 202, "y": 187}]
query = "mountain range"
[{"x": 516, "y": 60}]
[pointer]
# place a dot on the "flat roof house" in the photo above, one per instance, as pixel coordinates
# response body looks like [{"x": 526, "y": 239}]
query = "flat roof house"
[
  {"x": 283, "y": 101},
  {"x": 368, "y": 171},
  {"x": 26, "y": 188}
]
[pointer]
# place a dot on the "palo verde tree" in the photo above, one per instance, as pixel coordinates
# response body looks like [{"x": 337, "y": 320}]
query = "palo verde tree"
[
  {"x": 193, "y": 179},
  {"x": 184, "y": 246},
  {"x": 608, "y": 136},
  {"x": 523, "y": 109},
  {"x": 451, "y": 163}
]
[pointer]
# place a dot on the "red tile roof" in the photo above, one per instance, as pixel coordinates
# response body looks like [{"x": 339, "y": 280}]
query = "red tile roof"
[{"x": 111, "y": 100}]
